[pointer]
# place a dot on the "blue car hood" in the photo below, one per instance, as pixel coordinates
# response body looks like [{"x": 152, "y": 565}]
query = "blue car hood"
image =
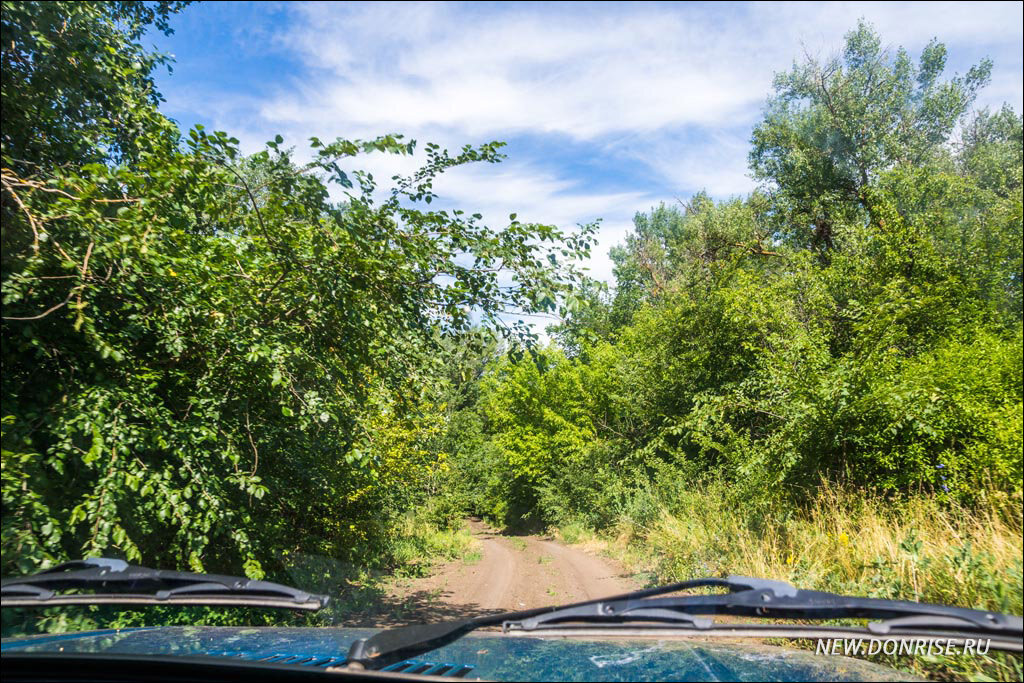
[{"x": 483, "y": 655}]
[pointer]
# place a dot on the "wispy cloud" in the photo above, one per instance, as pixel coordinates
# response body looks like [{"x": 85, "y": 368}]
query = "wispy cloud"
[
  {"x": 584, "y": 72},
  {"x": 609, "y": 108},
  {"x": 542, "y": 70},
  {"x": 539, "y": 196}
]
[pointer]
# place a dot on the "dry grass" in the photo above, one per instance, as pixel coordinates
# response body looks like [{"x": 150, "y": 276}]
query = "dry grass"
[{"x": 919, "y": 549}]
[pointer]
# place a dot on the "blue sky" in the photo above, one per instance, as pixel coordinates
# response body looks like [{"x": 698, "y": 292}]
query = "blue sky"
[{"x": 607, "y": 108}]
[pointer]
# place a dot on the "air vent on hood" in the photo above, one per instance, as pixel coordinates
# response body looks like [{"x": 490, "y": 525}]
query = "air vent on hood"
[{"x": 415, "y": 666}]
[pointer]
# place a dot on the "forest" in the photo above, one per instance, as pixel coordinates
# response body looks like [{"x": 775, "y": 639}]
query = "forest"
[{"x": 211, "y": 363}]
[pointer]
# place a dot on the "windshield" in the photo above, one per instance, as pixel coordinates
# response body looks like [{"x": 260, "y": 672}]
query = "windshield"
[{"x": 372, "y": 316}]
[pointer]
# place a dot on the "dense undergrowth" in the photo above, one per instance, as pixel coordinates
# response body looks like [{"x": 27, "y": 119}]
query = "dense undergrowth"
[{"x": 820, "y": 382}]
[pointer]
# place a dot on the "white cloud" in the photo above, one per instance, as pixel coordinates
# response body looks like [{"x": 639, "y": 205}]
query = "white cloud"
[
  {"x": 682, "y": 84},
  {"x": 575, "y": 73},
  {"x": 539, "y": 196},
  {"x": 583, "y": 72},
  {"x": 673, "y": 90}
]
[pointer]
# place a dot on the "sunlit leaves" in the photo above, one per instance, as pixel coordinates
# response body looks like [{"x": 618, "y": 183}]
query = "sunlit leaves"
[
  {"x": 833, "y": 126},
  {"x": 207, "y": 360}
]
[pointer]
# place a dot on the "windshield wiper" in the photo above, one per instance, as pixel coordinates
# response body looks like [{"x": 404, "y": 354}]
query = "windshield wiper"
[
  {"x": 115, "y": 582},
  {"x": 748, "y": 597},
  {"x": 769, "y": 599}
]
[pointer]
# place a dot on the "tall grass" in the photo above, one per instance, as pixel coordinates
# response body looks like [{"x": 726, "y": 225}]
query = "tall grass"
[
  {"x": 421, "y": 543},
  {"x": 844, "y": 541}
]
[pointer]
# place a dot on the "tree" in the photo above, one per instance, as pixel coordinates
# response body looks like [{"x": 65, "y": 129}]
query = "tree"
[
  {"x": 833, "y": 127},
  {"x": 208, "y": 362},
  {"x": 68, "y": 102},
  {"x": 857, "y": 318}
]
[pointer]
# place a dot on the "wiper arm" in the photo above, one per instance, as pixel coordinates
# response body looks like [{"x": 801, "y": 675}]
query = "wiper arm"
[
  {"x": 640, "y": 607},
  {"x": 115, "y": 582},
  {"x": 773, "y": 599},
  {"x": 751, "y": 597}
]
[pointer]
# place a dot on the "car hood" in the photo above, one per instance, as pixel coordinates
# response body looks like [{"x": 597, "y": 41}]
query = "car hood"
[{"x": 482, "y": 655}]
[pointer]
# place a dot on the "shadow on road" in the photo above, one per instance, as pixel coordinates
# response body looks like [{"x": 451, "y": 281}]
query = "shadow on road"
[
  {"x": 527, "y": 526},
  {"x": 418, "y": 607}
]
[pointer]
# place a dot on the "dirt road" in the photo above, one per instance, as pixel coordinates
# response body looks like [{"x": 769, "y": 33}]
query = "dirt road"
[{"x": 513, "y": 573}]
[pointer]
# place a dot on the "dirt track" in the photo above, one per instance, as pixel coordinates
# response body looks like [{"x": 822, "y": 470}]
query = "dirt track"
[{"x": 513, "y": 573}]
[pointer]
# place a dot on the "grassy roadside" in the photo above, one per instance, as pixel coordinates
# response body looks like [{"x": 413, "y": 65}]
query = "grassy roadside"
[
  {"x": 364, "y": 594},
  {"x": 920, "y": 549},
  {"x": 422, "y": 544},
  {"x": 377, "y": 597}
]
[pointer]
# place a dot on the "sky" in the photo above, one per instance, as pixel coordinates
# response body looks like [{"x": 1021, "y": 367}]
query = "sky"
[{"x": 607, "y": 109}]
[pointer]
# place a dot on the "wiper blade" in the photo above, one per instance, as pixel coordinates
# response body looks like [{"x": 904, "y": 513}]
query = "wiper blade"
[
  {"x": 115, "y": 582},
  {"x": 773, "y": 600},
  {"x": 760, "y": 598}
]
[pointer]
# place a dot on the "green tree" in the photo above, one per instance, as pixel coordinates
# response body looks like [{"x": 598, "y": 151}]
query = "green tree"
[
  {"x": 208, "y": 363},
  {"x": 992, "y": 150},
  {"x": 858, "y": 318},
  {"x": 68, "y": 102},
  {"x": 832, "y": 127}
]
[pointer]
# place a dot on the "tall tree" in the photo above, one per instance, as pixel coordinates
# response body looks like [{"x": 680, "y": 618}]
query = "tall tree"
[
  {"x": 833, "y": 126},
  {"x": 186, "y": 329}
]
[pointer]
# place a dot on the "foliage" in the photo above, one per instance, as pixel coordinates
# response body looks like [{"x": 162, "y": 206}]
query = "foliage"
[
  {"x": 736, "y": 346},
  {"x": 833, "y": 127},
  {"x": 209, "y": 363},
  {"x": 77, "y": 84}
]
